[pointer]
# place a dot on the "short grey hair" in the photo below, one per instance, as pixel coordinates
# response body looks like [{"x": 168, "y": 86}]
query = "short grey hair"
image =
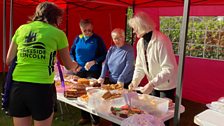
[
  {"x": 118, "y": 31},
  {"x": 142, "y": 22},
  {"x": 84, "y": 22}
]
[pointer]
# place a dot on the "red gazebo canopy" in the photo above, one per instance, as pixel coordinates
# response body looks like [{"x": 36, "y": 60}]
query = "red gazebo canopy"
[{"x": 109, "y": 14}]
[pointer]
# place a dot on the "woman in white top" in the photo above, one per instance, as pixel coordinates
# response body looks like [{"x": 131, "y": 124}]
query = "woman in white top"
[{"x": 155, "y": 59}]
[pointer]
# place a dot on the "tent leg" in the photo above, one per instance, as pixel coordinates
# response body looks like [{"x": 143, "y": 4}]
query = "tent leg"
[
  {"x": 4, "y": 44},
  {"x": 182, "y": 47}
]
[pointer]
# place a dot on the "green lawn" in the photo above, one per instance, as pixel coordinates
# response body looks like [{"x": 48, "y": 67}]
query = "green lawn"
[
  {"x": 69, "y": 118},
  {"x": 5, "y": 120}
]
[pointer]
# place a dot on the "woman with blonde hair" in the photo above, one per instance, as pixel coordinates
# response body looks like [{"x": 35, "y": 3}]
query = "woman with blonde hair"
[
  {"x": 32, "y": 96},
  {"x": 155, "y": 59}
]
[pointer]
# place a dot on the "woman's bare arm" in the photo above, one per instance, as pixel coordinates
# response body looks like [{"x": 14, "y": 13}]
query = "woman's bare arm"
[{"x": 11, "y": 53}]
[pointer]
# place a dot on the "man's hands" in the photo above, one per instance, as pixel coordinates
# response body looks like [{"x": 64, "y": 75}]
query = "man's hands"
[{"x": 89, "y": 64}]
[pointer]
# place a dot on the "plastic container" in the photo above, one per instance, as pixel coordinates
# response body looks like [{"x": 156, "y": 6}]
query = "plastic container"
[
  {"x": 142, "y": 120},
  {"x": 117, "y": 102},
  {"x": 151, "y": 104}
]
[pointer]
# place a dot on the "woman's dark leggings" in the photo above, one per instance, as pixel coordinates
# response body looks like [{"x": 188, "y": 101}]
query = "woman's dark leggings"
[{"x": 165, "y": 94}]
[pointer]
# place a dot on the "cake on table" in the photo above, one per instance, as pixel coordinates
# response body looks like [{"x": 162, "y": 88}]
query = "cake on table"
[
  {"x": 83, "y": 81},
  {"x": 112, "y": 87},
  {"x": 84, "y": 98},
  {"x": 108, "y": 95},
  {"x": 75, "y": 91},
  {"x": 125, "y": 111}
]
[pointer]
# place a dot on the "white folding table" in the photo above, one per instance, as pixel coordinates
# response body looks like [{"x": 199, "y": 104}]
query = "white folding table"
[
  {"x": 209, "y": 117},
  {"x": 108, "y": 116}
]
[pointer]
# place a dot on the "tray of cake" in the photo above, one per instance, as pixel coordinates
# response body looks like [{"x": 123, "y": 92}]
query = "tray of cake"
[
  {"x": 60, "y": 88},
  {"x": 125, "y": 111},
  {"x": 83, "y": 99},
  {"x": 75, "y": 91},
  {"x": 79, "y": 88}
]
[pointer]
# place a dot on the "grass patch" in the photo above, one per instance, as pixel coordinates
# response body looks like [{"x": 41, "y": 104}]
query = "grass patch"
[{"x": 69, "y": 118}]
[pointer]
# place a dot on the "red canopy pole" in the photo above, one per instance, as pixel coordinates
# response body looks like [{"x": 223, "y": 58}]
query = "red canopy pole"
[
  {"x": 3, "y": 46},
  {"x": 67, "y": 12},
  {"x": 183, "y": 39},
  {"x": 4, "y": 41},
  {"x": 11, "y": 20}
]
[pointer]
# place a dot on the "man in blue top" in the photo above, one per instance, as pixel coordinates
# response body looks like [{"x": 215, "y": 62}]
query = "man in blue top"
[
  {"x": 119, "y": 60},
  {"x": 89, "y": 51}
]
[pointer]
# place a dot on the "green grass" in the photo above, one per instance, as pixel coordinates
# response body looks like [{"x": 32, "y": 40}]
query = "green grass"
[
  {"x": 69, "y": 118},
  {"x": 5, "y": 120}
]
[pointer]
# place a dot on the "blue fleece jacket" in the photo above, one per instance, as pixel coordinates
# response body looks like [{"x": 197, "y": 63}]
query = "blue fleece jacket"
[
  {"x": 120, "y": 64},
  {"x": 83, "y": 51}
]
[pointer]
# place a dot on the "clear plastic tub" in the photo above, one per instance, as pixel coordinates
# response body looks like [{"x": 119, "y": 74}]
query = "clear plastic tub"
[{"x": 151, "y": 104}]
